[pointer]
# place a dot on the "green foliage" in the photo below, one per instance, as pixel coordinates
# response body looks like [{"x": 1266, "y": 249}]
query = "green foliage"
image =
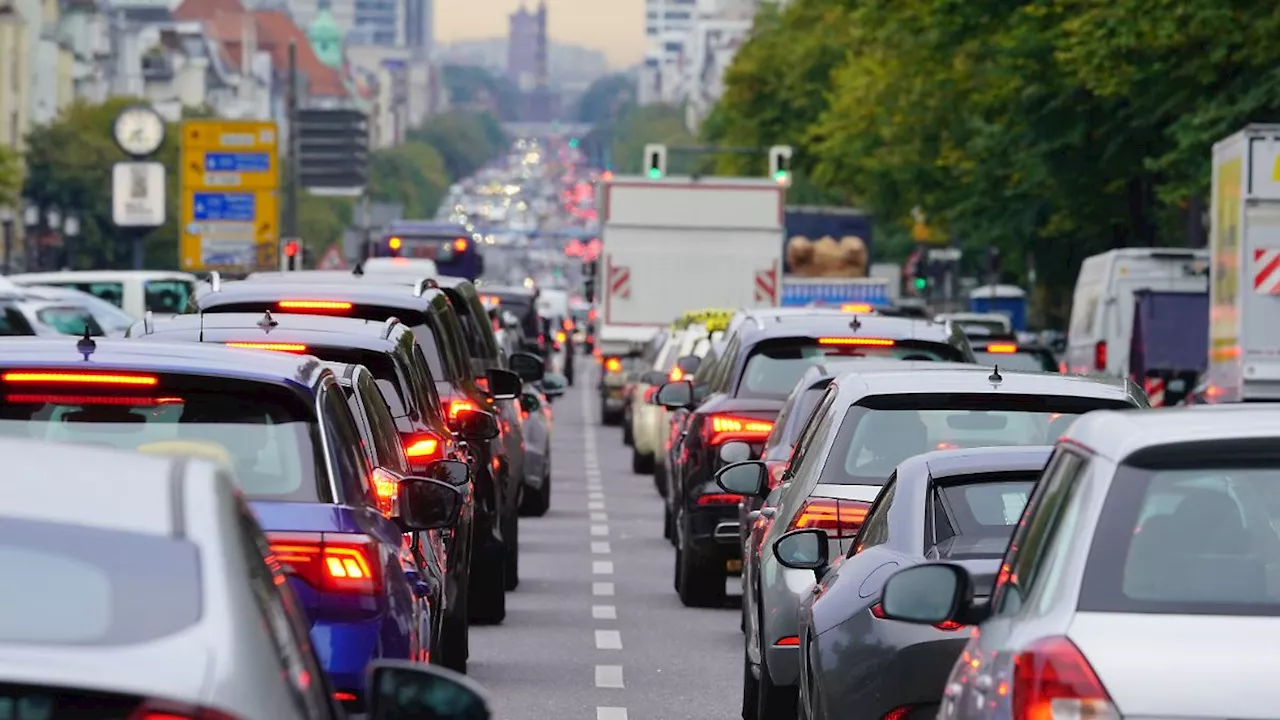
[
  {"x": 10, "y": 177},
  {"x": 475, "y": 88},
  {"x": 1050, "y": 128},
  {"x": 606, "y": 99},
  {"x": 412, "y": 175},
  {"x": 465, "y": 141},
  {"x": 623, "y": 140}
]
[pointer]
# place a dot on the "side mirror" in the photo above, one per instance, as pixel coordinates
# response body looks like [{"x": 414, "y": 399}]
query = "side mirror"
[
  {"x": 554, "y": 384},
  {"x": 477, "y": 425},
  {"x": 930, "y": 594},
  {"x": 688, "y": 364},
  {"x": 503, "y": 384},
  {"x": 676, "y": 395},
  {"x": 529, "y": 367},
  {"x": 402, "y": 689},
  {"x": 529, "y": 403},
  {"x": 750, "y": 478},
  {"x": 735, "y": 451},
  {"x": 653, "y": 377},
  {"x": 803, "y": 550},
  {"x": 429, "y": 504},
  {"x": 451, "y": 472}
]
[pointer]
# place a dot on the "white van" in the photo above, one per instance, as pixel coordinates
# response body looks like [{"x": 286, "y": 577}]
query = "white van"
[
  {"x": 1102, "y": 308},
  {"x": 135, "y": 291}
]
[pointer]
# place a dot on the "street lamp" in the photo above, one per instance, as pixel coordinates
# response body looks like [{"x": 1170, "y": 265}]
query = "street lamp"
[{"x": 70, "y": 232}]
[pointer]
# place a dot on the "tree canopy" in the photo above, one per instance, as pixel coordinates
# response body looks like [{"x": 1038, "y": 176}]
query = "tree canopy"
[
  {"x": 10, "y": 177},
  {"x": 619, "y": 143},
  {"x": 606, "y": 98},
  {"x": 475, "y": 88},
  {"x": 1052, "y": 129}
]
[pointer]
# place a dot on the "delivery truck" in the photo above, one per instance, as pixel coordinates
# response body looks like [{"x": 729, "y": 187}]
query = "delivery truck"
[{"x": 826, "y": 258}]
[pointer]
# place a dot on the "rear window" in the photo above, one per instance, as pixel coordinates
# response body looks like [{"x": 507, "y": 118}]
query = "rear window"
[
  {"x": 70, "y": 320},
  {"x": 1022, "y": 361},
  {"x": 1203, "y": 541},
  {"x": 265, "y": 434},
  {"x": 75, "y": 585},
  {"x": 775, "y": 366},
  {"x": 168, "y": 297},
  {"x": 799, "y": 413},
  {"x": 873, "y": 440},
  {"x": 976, "y": 519},
  {"x": 112, "y": 292},
  {"x": 12, "y": 323},
  {"x": 391, "y": 384},
  {"x": 427, "y": 340}
]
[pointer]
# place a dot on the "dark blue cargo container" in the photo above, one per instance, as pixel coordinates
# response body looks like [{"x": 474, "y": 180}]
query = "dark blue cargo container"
[{"x": 815, "y": 222}]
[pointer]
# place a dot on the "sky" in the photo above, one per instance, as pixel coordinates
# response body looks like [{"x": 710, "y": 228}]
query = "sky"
[{"x": 613, "y": 26}]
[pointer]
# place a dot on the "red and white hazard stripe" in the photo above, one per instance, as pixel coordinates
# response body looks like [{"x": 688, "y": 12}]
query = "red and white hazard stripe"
[
  {"x": 620, "y": 282},
  {"x": 1266, "y": 271},
  {"x": 767, "y": 285},
  {"x": 1154, "y": 387}
]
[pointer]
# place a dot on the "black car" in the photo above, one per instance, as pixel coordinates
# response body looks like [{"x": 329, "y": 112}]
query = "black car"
[
  {"x": 435, "y": 326},
  {"x": 763, "y": 359}
]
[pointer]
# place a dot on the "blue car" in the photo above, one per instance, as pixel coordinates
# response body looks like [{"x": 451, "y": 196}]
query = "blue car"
[{"x": 282, "y": 423}]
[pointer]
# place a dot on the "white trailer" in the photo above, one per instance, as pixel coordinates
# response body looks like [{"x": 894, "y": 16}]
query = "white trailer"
[
  {"x": 1244, "y": 293},
  {"x": 676, "y": 244}
]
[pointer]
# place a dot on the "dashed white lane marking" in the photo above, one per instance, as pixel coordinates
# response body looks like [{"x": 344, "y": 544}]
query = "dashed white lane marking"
[
  {"x": 595, "y": 505},
  {"x": 602, "y": 567},
  {"x": 600, "y": 547},
  {"x": 604, "y": 612},
  {"x": 595, "y": 495},
  {"x": 608, "y": 640},
  {"x": 611, "y": 713},
  {"x": 602, "y": 589},
  {"x": 599, "y": 529},
  {"x": 599, "y": 517},
  {"x": 609, "y": 676}
]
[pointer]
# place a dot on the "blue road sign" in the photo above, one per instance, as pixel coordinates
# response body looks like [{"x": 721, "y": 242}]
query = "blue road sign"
[
  {"x": 225, "y": 207},
  {"x": 236, "y": 162}
]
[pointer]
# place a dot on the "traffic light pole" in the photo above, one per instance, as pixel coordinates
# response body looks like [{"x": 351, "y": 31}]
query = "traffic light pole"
[{"x": 289, "y": 224}]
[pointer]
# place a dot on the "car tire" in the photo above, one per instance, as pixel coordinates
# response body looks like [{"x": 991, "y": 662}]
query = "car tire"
[
  {"x": 774, "y": 702},
  {"x": 668, "y": 529},
  {"x": 628, "y": 435},
  {"x": 750, "y": 688},
  {"x": 610, "y": 418},
  {"x": 454, "y": 639},
  {"x": 701, "y": 580},
  {"x": 511, "y": 537},
  {"x": 660, "y": 479},
  {"x": 641, "y": 463},
  {"x": 487, "y": 596},
  {"x": 535, "y": 503}
]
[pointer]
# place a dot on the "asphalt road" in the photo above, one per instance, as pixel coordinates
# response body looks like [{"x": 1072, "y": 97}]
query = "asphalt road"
[{"x": 595, "y": 630}]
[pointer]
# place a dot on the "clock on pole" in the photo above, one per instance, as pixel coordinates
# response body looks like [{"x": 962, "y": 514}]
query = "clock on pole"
[{"x": 139, "y": 130}]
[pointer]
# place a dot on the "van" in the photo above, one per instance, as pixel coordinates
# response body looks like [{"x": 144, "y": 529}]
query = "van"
[
  {"x": 136, "y": 292},
  {"x": 1098, "y": 335}
]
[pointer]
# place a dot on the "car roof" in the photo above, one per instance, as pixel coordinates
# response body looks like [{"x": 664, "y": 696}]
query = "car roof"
[
  {"x": 143, "y": 504},
  {"x": 270, "y": 292},
  {"x": 290, "y": 328},
  {"x": 180, "y": 358},
  {"x": 973, "y": 461},
  {"x": 345, "y": 372},
  {"x": 1118, "y": 434},
  {"x": 843, "y": 325},
  {"x": 514, "y": 290},
  {"x": 41, "y": 278},
  {"x": 915, "y": 381}
]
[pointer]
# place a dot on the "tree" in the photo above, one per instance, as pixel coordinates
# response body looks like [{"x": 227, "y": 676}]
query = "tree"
[
  {"x": 412, "y": 175},
  {"x": 475, "y": 89},
  {"x": 620, "y": 143},
  {"x": 606, "y": 98},
  {"x": 464, "y": 141},
  {"x": 10, "y": 177}
]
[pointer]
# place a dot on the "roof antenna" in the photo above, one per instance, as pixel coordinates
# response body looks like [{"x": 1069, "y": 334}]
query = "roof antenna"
[
  {"x": 995, "y": 375},
  {"x": 201, "y": 338},
  {"x": 358, "y": 270},
  {"x": 855, "y": 323},
  {"x": 85, "y": 345},
  {"x": 267, "y": 323}
]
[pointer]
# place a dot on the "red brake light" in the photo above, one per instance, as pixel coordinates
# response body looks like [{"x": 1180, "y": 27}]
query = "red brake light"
[
  {"x": 422, "y": 446},
  {"x": 676, "y": 374},
  {"x": 458, "y": 406},
  {"x": 483, "y": 383},
  {"x": 460, "y": 245},
  {"x": 863, "y": 308},
  {"x": 90, "y": 400},
  {"x": 330, "y": 562},
  {"x": 871, "y": 342},
  {"x": 394, "y": 243},
  {"x": 1100, "y": 355},
  {"x": 877, "y": 611},
  {"x": 330, "y": 305},
  {"x": 723, "y": 428},
  {"x": 650, "y": 393},
  {"x": 839, "y": 518},
  {"x": 79, "y": 378},
  {"x": 1003, "y": 348},
  {"x": 719, "y": 499},
  {"x": 612, "y": 365},
  {"x": 1052, "y": 679},
  {"x": 164, "y": 710},
  {"x": 278, "y": 347},
  {"x": 561, "y": 337},
  {"x": 387, "y": 489}
]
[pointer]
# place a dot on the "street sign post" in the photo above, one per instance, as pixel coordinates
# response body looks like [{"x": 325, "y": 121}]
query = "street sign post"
[
  {"x": 138, "y": 194},
  {"x": 230, "y": 194}
]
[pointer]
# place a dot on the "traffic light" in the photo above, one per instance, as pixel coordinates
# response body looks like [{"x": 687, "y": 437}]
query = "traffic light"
[
  {"x": 655, "y": 158},
  {"x": 921, "y": 284},
  {"x": 780, "y": 164},
  {"x": 291, "y": 256},
  {"x": 573, "y": 142}
]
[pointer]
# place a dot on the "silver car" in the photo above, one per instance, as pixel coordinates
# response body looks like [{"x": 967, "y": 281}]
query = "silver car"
[
  {"x": 1140, "y": 581},
  {"x": 864, "y": 425}
]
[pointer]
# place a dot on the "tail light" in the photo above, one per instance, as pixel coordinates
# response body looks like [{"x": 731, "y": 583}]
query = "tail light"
[
  {"x": 866, "y": 342},
  {"x": 877, "y": 611},
  {"x": 314, "y": 305},
  {"x": 861, "y": 308},
  {"x": 1100, "y": 355},
  {"x": 422, "y": 446},
  {"x": 676, "y": 374},
  {"x": 561, "y": 337},
  {"x": 483, "y": 384},
  {"x": 718, "y": 499},
  {"x": 387, "y": 488},
  {"x": 839, "y": 518},
  {"x": 650, "y": 393},
  {"x": 776, "y": 470},
  {"x": 79, "y": 378},
  {"x": 613, "y": 365},
  {"x": 32, "y": 398},
  {"x": 457, "y": 406},
  {"x": 524, "y": 414},
  {"x": 1052, "y": 679},
  {"x": 723, "y": 428},
  {"x": 330, "y": 562},
  {"x": 276, "y": 347},
  {"x": 165, "y": 710},
  {"x": 1002, "y": 348}
]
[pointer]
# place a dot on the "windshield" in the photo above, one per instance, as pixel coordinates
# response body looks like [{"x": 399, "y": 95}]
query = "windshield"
[
  {"x": 263, "y": 434},
  {"x": 983, "y": 327},
  {"x": 872, "y": 442},
  {"x": 1019, "y": 361},
  {"x": 168, "y": 297},
  {"x": 70, "y": 320},
  {"x": 976, "y": 519},
  {"x": 76, "y": 585},
  {"x": 1204, "y": 541},
  {"x": 774, "y": 367}
]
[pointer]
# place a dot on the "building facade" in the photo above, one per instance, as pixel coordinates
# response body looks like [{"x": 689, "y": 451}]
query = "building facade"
[{"x": 15, "y": 76}]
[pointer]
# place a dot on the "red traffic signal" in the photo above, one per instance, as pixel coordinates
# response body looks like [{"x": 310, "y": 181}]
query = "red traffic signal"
[{"x": 291, "y": 248}]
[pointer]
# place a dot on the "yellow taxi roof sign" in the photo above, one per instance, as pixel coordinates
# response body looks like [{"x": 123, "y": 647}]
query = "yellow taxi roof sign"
[{"x": 703, "y": 317}]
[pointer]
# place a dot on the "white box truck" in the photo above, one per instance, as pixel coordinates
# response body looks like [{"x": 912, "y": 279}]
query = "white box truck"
[{"x": 1244, "y": 292}]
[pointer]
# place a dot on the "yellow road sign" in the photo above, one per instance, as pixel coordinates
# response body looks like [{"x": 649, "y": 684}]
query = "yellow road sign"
[{"x": 230, "y": 179}]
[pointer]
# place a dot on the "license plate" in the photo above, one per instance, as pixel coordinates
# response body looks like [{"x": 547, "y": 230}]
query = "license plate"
[{"x": 733, "y": 566}]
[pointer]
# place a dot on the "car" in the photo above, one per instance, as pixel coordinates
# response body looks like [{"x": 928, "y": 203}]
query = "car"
[
  {"x": 677, "y": 359},
  {"x": 402, "y": 379},
  {"x": 761, "y": 363},
  {"x": 677, "y": 420},
  {"x": 282, "y": 423},
  {"x": 535, "y": 413},
  {"x": 436, "y": 322},
  {"x": 1006, "y": 352},
  {"x": 863, "y": 426},
  {"x": 1147, "y": 544},
  {"x": 136, "y": 292},
  {"x": 955, "y": 505},
  {"x": 113, "y": 321}
]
